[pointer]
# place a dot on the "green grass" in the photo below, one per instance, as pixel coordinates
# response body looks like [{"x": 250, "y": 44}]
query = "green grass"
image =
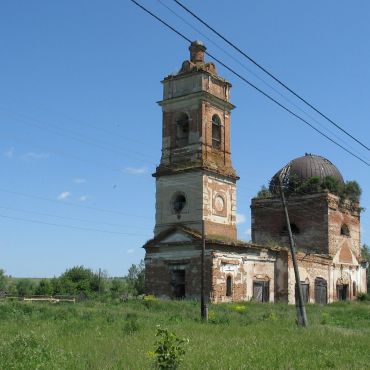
[{"x": 119, "y": 335}]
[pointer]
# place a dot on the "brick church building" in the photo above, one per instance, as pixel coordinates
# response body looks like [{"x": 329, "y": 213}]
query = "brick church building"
[{"x": 196, "y": 186}]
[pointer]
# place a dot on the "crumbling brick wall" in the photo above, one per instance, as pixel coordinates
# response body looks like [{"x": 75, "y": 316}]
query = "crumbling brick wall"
[
  {"x": 158, "y": 273},
  {"x": 318, "y": 218}
]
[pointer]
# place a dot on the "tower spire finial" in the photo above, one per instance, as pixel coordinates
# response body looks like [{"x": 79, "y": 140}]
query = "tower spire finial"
[{"x": 197, "y": 50}]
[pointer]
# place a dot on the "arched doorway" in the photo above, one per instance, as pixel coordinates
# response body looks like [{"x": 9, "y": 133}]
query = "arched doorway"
[{"x": 321, "y": 291}]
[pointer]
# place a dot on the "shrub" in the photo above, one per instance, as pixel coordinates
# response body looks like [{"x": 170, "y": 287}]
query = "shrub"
[
  {"x": 77, "y": 280},
  {"x": 352, "y": 191},
  {"x": 136, "y": 278},
  {"x": 214, "y": 319},
  {"x": 2, "y": 280},
  {"x": 264, "y": 192},
  {"x": 169, "y": 349},
  {"x": 363, "y": 296},
  {"x": 150, "y": 301},
  {"x": 312, "y": 185},
  {"x": 44, "y": 287},
  {"x": 24, "y": 287},
  {"x": 118, "y": 287},
  {"x": 26, "y": 352},
  {"x": 238, "y": 308}
]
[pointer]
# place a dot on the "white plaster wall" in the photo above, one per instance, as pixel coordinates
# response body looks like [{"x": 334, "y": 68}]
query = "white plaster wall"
[
  {"x": 189, "y": 183},
  {"x": 219, "y": 185}
]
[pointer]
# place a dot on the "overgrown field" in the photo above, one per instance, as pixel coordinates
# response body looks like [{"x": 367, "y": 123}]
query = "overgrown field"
[{"x": 121, "y": 335}]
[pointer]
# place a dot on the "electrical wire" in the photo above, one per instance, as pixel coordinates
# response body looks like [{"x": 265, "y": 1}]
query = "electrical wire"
[
  {"x": 270, "y": 74},
  {"x": 72, "y": 218},
  {"x": 67, "y": 226},
  {"x": 257, "y": 76},
  {"x": 72, "y": 204},
  {"x": 253, "y": 86}
]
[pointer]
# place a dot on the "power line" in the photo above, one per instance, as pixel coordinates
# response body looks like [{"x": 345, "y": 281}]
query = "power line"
[
  {"x": 270, "y": 74},
  {"x": 72, "y": 204},
  {"x": 67, "y": 226},
  {"x": 75, "y": 135},
  {"x": 71, "y": 218},
  {"x": 256, "y": 75},
  {"x": 253, "y": 86}
]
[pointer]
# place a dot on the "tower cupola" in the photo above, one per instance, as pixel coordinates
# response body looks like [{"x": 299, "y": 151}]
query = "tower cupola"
[{"x": 197, "y": 50}]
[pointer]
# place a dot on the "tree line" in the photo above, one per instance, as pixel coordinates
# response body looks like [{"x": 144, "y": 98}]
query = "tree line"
[{"x": 76, "y": 281}]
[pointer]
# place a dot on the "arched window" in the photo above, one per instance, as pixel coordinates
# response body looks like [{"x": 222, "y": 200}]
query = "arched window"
[
  {"x": 293, "y": 227},
  {"x": 216, "y": 131},
  {"x": 229, "y": 286},
  {"x": 354, "y": 289},
  {"x": 178, "y": 202},
  {"x": 182, "y": 130},
  {"x": 344, "y": 230}
]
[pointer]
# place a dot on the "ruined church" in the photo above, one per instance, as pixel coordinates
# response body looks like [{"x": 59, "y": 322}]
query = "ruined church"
[{"x": 196, "y": 192}]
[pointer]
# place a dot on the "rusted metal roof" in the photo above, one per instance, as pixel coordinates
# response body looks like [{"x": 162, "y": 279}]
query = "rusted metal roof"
[{"x": 303, "y": 168}]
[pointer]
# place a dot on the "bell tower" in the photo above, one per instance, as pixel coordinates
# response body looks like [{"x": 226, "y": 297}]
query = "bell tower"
[{"x": 195, "y": 179}]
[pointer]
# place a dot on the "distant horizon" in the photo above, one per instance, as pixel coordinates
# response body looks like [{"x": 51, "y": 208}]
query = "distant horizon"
[{"x": 81, "y": 130}]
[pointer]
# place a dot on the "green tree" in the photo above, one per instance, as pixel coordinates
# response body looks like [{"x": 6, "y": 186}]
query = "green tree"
[
  {"x": 80, "y": 279},
  {"x": 3, "y": 280},
  {"x": 136, "y": 278},
  {"x": 293, "y": 183},
  {"x": 56, "y": 287},
  {"x": 118, "y": 286},
  {"x": 75, "y": 280},
  {"x": 352, "y": 191},
  {"x": 25, "y": 287},
  {"x": 333, "y": 185},
  {"x": 264, "y": 192},
  {"x": 365, "y": 252},
  {"x": 44, "y": 287},
  {"x": 312, "y": 185}
]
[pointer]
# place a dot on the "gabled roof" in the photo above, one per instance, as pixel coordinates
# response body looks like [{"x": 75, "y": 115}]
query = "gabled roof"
[
  {"x": 192, "y": 234},
  {"x": 182, "y": 234}
]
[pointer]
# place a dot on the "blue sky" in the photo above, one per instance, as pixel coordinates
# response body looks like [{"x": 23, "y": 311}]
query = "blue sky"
[{"x": 80, "y": 130}]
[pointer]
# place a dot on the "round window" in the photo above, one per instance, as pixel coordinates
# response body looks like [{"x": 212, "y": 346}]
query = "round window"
[
  {"x": 179, "y": 203},
  {"x": 219, "y": 203}
]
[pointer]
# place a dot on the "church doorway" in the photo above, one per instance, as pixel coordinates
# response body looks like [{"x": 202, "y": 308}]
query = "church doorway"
[
  {"x": 178, "y": 284},
  {"x": 342, "y": 292},
  {"x": 321, "y": 291},
  {"x": 261, "y": 290},
  {"x": 305, "y": 288}
]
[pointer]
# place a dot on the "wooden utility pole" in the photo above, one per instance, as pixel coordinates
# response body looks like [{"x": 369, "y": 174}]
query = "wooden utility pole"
[
  {"x": 301, "y": 310},
  {"x": 203, "y": 305}
]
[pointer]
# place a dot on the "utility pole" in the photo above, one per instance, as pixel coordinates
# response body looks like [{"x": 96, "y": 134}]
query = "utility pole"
[
  {"x": 203, "y": 305},
  {"x": 301, "y": 310}
]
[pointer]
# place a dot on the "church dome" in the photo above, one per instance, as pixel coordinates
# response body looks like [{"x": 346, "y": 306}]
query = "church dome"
[{"x": 303, "y": 168}]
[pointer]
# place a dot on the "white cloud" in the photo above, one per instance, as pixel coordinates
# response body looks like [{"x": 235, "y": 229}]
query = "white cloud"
[
  {"x": 9, "y": 153},
  {"x": 130, "y": 251},
  {"x": 82, "y": 198},
  {"x": 248, "y": 231},
  {"x": 79, "y": 180},
  {"x": 35, "y": 156},
  {"x": 64, "y": 195},
  {"x": 240, "y": 218},
  {"x": 136, "y": 170}
]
